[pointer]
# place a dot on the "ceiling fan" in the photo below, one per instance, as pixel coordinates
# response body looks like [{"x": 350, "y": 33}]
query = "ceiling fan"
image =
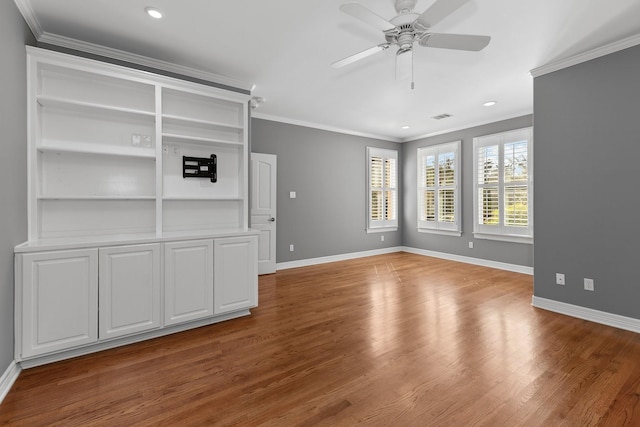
[{"x": 409, "y": 27}]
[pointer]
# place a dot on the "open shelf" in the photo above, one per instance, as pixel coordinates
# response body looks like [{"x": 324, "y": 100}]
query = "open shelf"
[
  {"x": 197, "y": 140},
  {"x": 88, "y": 86},
  {"x": 71, "y": 175},
  {"x": 76, "y": 198},
  {"x": 203, "y": 198},
  {"x": 168, "y": 118},
  {"x": 71, "y": 217},
  {"x": 83, "y": 106},
  {"x": 100, "y": 149},
  {"x": 201, "y": 108},
  {"x": 182, "y": 215}
]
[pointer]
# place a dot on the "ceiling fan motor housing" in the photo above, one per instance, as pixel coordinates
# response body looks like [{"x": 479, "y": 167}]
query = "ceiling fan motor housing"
[
  {"x": 405, "y": 32},
  {"x": 405, "y": 38}
]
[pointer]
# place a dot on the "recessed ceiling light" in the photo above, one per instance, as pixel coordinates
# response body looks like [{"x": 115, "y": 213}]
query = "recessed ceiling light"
[
  {"x": 406, "y": 127},
  {"x": 490, "y": 103},
  {"x": 153, "y": 12}
]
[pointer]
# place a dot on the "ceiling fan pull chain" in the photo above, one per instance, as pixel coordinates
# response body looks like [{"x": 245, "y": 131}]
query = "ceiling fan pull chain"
[{"x": 412, "y": 84}]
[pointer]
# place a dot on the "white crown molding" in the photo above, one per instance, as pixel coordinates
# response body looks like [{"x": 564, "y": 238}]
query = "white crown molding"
[
  {"x": 321, "y": 127},
  {"x": 586, "y": 56},
  {"x": 470, "y": 125},
  {"x": 24, "y": 6},
  {"x": 597, "y": 316},
  {"x": 384, "y": 138},
  {"x": 146, "y": 61},
  {"x": 469, "y": 260},
  {"x": 8, "y": 378}
]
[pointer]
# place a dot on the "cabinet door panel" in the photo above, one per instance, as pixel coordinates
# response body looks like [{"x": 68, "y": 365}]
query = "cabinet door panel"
[
  {"x": 235, "y": 274},
  {"x": 188, "y": 281},
  {"x": 59, "y": 300},
  {"x": 129, "y": 289}
]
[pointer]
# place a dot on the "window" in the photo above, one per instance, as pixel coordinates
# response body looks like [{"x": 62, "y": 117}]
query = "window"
[
  {"x": 503, "y": 193},
  {"x": 382, "y": 180},
  {"x": 438, "y": 193}
]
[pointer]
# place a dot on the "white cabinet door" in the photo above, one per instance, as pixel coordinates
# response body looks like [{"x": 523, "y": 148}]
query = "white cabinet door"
[
  {"x": 235, "y": 273},
  {"x": 188, "y": 281},
  {"x": 59, "y": 300},
  {"x": 129, "y": 289}
]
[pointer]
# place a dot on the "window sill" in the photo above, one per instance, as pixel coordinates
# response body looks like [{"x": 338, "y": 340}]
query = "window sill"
[
  {"x": 381, "y": 229},
  {"x": 504, "y": 238},
  {"x": 455, "y": 233}
]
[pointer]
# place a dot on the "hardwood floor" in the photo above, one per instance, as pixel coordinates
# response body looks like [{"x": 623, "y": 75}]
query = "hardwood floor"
[{"x": 390, "y": 340}]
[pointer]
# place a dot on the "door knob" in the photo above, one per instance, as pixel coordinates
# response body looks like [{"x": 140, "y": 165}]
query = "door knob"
[{"x": 271, "y": 219}]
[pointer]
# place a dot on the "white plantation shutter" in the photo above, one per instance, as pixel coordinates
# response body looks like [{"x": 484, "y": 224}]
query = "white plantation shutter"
[
  {"x": 376, "y": 202},
  {"x": 503, "y": 186},
  {"x": 438, "y": 188},
  {"x": 382, "y": 178},
  {"x": 488, "y": 162}
]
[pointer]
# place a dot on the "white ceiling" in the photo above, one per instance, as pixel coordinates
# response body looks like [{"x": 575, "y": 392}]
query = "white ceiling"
[{"x": 285, "y": 48}]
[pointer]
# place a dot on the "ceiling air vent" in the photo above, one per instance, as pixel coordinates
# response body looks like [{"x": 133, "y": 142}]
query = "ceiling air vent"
[{"x": 442, "y": 116}]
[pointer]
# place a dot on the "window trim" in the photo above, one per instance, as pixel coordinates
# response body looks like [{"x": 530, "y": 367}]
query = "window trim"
[
  {"x": 503, "y": 232},
  {"x": 440, "y": 227},
  {"x": 382, "y": 225}
]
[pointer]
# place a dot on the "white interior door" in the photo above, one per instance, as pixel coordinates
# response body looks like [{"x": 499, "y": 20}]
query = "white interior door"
[{"x": 263, "y": 209}]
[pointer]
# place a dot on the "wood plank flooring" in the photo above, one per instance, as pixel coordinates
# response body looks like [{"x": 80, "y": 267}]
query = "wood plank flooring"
[{"x": 391, "y": 340}]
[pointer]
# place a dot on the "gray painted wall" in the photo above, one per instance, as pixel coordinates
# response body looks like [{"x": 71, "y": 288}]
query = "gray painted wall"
[
  {"x": 587, "y": 160},
  {"x": 324, "y": 169},
  {"x": 512, "y": 253},
  {"x": 14, "y": 34}
]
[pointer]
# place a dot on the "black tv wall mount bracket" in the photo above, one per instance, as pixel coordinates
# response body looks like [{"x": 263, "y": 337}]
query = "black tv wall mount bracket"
[{"x": 200, "y": 167}]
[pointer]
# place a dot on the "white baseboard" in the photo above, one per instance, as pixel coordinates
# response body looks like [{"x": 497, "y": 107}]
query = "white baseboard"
[
  {"x": 8, "y": 378},
  {"x": 597, "y": 316},
  {"x": 475, "y": 261},
  {"x": 333, "y": 258},
  {"x": 459, "y": 258}
]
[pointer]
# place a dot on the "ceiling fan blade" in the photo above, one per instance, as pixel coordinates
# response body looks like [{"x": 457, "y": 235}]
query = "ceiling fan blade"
[
  {"x": 360, "y": 55},
  {"x": 404, "y": 64},
  {"x": 455, "y": 41},
  {"x": 365, "y": 15},
  {"x": 438, "y": 11}
]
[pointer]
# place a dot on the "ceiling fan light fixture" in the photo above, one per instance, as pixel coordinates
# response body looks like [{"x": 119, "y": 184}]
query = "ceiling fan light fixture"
[
  {"x": 153, "y": 12},
  {"x": 490, "y": 103}
]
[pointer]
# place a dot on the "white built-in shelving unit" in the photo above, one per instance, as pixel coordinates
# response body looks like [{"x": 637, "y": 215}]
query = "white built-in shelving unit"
[
  {"x": 106, "y": 147},
  {"x": 105, "y": 177}
]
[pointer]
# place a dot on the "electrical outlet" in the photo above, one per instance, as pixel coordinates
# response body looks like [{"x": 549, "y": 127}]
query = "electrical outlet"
[
  {"x": 470, "y": 245},
  {"x": 135, "y": 139},
  {"x": 382, "y": 238},
  {"x": 290, "y": 248},
  {"x": 146, "y": 141},
  {"x": 292, "y": 194},
  {"x": 559, "y": 279},
  {"x": 588, "y": 284}
]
